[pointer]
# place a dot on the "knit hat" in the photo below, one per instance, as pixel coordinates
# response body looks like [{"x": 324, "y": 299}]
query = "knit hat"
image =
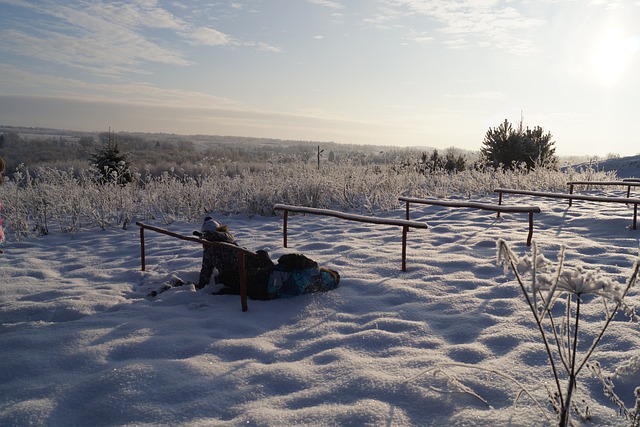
[{"x": 210, "y": 225}]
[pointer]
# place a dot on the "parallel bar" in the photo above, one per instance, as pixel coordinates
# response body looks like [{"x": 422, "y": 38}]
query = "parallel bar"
[
  {"x": 475, "y": 205},
  {"x": 496, "y": 208},
  {"x": 568, "y": 196},
  {"x": 350, "y": 217},
  {"x": 571, "y": 197},
  {"x": 405, "y": 224},
  {"x": 627, "y": 182}
]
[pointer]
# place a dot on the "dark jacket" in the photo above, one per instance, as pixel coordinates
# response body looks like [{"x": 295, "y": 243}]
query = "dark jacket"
[{"x": 225, "y": 260}]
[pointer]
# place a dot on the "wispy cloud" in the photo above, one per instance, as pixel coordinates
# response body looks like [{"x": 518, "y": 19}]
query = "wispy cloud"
[
  {"x": 102, "y": 36},
  {"x": 206, "y": 36},
  {"x": 422, "y": 37},
  {"x": 611, "y": 4},
  {"x": 133, "y": 92},
  {"x": 470, "y": 23},
  {"x": 327, "y": 3}
]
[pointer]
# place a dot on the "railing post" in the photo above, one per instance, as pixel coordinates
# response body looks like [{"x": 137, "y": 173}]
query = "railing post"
[
  {"x": 499, "y": 201},
  {"x": 407, "y": 209},
  {"x": 404, "y": 247},
  {"x": 284, "y": 227},
  {"x": 243, "y": 280},
  {"x": 530, "y": 228},
  {"x": 142, "y": 257},
  {"x": 570, "y": 193}
]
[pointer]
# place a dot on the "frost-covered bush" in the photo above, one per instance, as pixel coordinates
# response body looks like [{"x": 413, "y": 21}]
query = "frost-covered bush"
[{"x": 37, "y": 200}]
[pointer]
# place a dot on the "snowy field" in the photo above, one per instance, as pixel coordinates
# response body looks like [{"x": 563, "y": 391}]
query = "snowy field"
[{"x": 82, "y": 344}]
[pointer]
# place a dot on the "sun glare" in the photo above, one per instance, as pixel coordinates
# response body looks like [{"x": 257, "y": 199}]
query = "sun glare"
[{"x": 612, "y": 54}]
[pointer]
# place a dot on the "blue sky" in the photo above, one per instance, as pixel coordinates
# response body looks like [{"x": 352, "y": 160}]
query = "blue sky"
[{"x": 393, "y": 72}]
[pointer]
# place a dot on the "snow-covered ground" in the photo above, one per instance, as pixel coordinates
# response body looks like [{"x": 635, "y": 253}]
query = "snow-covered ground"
[{"x": 82, "y": 344}]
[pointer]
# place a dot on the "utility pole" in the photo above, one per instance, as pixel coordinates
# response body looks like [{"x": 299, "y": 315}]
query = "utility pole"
[{"x": 319, "y": 152}]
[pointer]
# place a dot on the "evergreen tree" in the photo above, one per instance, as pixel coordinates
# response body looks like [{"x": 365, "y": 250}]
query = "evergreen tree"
[
  {"x": 508, "y": 147},
  {"x": 110, "y": 164}
]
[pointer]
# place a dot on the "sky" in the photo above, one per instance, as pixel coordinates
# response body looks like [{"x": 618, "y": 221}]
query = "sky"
[{"x": 430, "y": 73}]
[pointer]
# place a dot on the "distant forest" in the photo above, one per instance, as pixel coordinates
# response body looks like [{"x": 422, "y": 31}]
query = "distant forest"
[{"x": 188, "y": 154}]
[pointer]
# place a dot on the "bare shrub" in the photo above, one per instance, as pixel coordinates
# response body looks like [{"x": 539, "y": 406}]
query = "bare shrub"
[{"x": 44, "y": 197}]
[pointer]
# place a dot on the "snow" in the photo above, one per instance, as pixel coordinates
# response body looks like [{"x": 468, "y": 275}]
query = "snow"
[{"x": 444, "y": 343}]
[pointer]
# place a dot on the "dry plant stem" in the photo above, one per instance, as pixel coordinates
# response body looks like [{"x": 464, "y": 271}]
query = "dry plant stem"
[
  {"x": 559, "y": 348},
  {"x": 540, "y": 328},
  {"x": 548, "y": 302},
  {"x": 565, "y": 414}
]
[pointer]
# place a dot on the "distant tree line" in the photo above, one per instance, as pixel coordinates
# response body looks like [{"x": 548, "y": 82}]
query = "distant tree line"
[
  {"x": 118, "y": 156},
  {"x": 452, "y": 161},
  {"x": 155, "y": 154}
]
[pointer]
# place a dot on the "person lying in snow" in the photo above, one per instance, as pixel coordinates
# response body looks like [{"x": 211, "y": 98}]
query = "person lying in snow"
[
  {"x": 294, "y": 274},
  {"x": 216, "y": 257}
]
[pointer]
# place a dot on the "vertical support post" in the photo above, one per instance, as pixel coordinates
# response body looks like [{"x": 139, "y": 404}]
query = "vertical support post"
[
  {"x": 284, "y": 227},
  {"x": 404, "y": 247},
  {"x": 530, "y": 228},
  {"x": 407, "y": 209},
  {"x": 142, "y": 257},
  {"x": 499, "y": 202},
  {"x": 243, "y": 280},
  {"x": 628, "y": 191},
  {"x": 635, "y": 215},
  {"x": 570, "y": 192}
]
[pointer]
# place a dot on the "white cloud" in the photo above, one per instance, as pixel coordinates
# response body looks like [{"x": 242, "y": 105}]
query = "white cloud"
[
  {"x": 207, "y": 36},
  {"x": 484, "y": 23},
  {"x": 103, "y": 37},
  {"x": 327, "y": 3},
  {"x": 421, "y": 37}
]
